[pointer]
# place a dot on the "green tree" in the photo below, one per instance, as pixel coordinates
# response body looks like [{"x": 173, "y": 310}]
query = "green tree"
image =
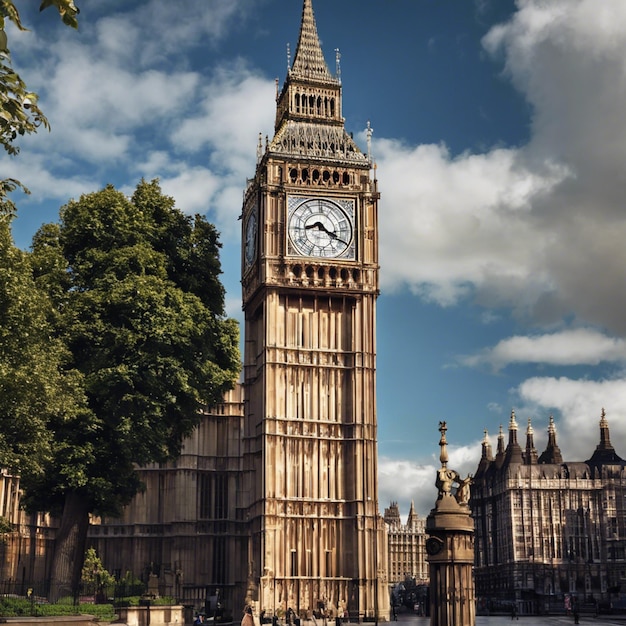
[
  {"x": 94, "y": 578},
  {"x": 141, "y": 309},
  {"x": 37, "y": 385},
  {"x": 19, "y": 111}
]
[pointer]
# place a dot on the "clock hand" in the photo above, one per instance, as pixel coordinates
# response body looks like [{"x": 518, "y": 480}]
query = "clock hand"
[
  {"x": 330, "y": 233},
  {"x": 317, "y": 225},
  {"x": 334, "y": 236}
]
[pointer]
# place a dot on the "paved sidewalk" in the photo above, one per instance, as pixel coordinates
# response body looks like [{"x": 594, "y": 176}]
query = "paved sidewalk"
[{"x": 406, "y": 619}]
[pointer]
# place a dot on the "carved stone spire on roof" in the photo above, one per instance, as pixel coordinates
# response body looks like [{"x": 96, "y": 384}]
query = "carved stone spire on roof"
[
  {"x": 412, "y": 519},
  {"x": 500, "y": 448},
  {"x": 309, "y": 62},
  {"x": 487, "y": 453},
  {"x": 392, "y": 515},
  {"x": 530, "y": 457},
  {"x": 605, "y": 438},
  {"x": 604, "y": 453},
  {"x": 486, "y": 458},
  {"x": 513, "y": 450},
  {"x": 552, "y": 453}
]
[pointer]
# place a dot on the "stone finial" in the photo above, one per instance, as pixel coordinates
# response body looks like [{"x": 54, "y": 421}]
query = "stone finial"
[
  {"x": 443, "y": 455},
  {"x": 603, "y": 421},
  {"x": 551, "y": 426}
]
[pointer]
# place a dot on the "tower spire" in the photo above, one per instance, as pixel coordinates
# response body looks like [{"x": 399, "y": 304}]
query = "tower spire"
[
  {"x": 500, "y": 448},
  {"x": 486, "y": 458},
  {"x": 513, "y": 450},
  {"x": 604, "y": 453},
  {"x": 309, "y": 63},
  {"x": 552, "y": 453},
  {"x": 531, "y": 453}
]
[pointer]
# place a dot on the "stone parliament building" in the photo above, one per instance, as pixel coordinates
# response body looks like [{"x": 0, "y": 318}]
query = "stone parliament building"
[
  {"x": 274, "y": 499},
  {"x": 546, "y": 528}
]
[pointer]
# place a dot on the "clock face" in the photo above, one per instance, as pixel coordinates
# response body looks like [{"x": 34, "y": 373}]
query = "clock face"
[
  {"x": 250, "y": 244},
  {"x": 321, "y": 227},
  {"x": 433, "y": 545}
]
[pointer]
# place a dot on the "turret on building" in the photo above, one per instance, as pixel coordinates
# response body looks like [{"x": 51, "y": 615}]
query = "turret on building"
[
  {"x": 406, "y": 551},
  {"x": 547, "y": 528}
]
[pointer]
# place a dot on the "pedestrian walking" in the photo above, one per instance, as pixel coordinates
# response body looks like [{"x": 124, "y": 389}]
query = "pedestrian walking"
[{"x": 247, "y": 619}]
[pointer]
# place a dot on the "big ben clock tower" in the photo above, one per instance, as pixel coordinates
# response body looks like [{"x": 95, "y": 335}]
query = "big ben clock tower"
[{"x": 310, "y": 283}]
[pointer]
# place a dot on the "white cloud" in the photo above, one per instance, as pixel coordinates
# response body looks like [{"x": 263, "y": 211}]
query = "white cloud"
[
  {"x": 33, "y": 171},
  {"x": 404, "y": 481},
  {"x": 451, "y": 224},
  {"x": 228, "y": 116},
  {"x": 579, "y": 346},
  {"x": 193, "y": 188},
  {"x": 117, "y": 106},
  {"x": 538, "y": 228},
  {"x": 579, "y": 404}
]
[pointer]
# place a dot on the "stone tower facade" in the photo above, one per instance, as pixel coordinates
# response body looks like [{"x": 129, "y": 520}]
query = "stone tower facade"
[{"x": 310, "y": 283}]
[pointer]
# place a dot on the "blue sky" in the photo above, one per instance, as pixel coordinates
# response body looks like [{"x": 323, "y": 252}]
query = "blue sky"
[{"x": 500, "y": 145}]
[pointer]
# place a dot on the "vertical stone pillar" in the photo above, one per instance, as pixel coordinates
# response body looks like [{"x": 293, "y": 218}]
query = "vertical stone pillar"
[{"x": 450, "y": 548}]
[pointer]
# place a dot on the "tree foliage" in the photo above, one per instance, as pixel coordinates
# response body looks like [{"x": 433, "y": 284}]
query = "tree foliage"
[
  {"x": 94, "y": 577},
  {"x": 139, "y": 305},
  {"x": 19, "y": 110},
  {"x": 37, "y": 386}
]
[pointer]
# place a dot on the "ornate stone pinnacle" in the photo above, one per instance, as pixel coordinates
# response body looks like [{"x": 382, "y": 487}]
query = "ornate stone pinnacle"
[
  {"x": 443, "y": 455},
  {"x": 309, "y": 62}
]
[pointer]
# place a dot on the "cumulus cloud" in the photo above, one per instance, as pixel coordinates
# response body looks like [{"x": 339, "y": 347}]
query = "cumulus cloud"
[
  {"x": 537, "y": 228},
  {"x": 579, "y": 404},
  {"x": 404, "y": 481},
  {"x": 122, "y": 101},
  {"x": 453, "y": 225},
  {"x": 580, "y": 346}
]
